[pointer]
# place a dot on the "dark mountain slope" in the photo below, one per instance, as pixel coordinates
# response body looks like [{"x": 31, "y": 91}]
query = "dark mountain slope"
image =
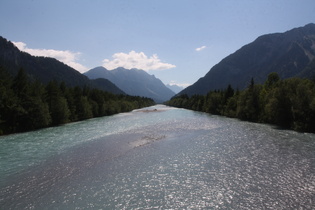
[
  {"x": 287, "y": 53},
  {"x": 309, "y": 71},
  {"x": 134, "y": 82},
  {"x": 46, "y": 69}
]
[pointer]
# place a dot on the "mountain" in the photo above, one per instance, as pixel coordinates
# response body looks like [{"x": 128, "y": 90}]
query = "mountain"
[
  {"x": 289, "y": 54},
  {"x": 134, "y": 82},
  {"x": 175, "y": 88},
  {"x": 46, "y": 69}
]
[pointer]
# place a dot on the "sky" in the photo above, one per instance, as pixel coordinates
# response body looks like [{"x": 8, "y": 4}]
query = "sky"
[{"x": 178, "y": 41}]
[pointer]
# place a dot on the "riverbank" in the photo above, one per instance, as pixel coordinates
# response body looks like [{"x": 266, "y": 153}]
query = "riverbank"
[
  {"x": 288, "y": 103},
  {"x": 27, "y": 105}
]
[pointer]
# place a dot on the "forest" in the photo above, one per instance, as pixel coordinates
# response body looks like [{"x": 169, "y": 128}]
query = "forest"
[
  {"x": 27, "y": 105},
  {"x": 288, "y": 103}
]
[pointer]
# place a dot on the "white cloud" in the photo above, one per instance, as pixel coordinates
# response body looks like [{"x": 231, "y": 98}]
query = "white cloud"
[
  {"x": 67, "y": 57},
  {"x": 136, "y": 60},
  {"x": 200, "y": 48},
  {"x": 183, "y": 85}
]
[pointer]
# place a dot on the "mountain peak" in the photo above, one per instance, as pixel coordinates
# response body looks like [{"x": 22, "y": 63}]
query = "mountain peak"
[
  {"x": 308, "y": 28},
  {"x": 175, "y": 88},
  {"x": 287, "y": 53},
  {"x": 46, "y": 69},
  {"x": 134, "y": 82}
]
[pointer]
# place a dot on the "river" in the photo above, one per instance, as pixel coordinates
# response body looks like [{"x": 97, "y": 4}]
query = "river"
[{"x": 158, "y": 158}]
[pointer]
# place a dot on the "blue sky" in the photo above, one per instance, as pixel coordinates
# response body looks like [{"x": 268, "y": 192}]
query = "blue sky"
[{"x": 176, "y": 40}]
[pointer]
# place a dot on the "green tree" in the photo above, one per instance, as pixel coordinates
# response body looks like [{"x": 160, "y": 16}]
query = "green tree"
[
  {"x": 84, "y": 109},
  {"x": 58, "y": 105},
  {"x": 248, "y": 107},
  {"x": 228, "y": 93},
  {"x": 7, "y": 100},
  {"x": 21, "y": 84},
  {"x": 214, "y": 102},
  {"x": 231, "y": 107},
  {"x": 39, "y": 111},
  {"x": 302, "y": 99},
  {"x": 19, "y": 115},
  {"x": 278, "y": 107},
  {"x": 70, "y": 97},
  {"x": 273, "y": 79}
]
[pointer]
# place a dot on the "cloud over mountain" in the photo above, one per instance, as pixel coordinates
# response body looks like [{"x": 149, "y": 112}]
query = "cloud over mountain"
[
  {"x": 67, "y": 57},
  {"x": 183, "y": 85},
  {"x": 136, "y": 60}
]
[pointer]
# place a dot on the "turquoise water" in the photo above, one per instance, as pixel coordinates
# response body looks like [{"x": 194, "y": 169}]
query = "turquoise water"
[{"x": 165, "y": 159}]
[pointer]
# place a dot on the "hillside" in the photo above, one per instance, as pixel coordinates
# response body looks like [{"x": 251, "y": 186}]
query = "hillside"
[
  {"x": 46, "y": 69},
  {"x": 134, "y": 82},
  {"x": 289, "y": 54}
]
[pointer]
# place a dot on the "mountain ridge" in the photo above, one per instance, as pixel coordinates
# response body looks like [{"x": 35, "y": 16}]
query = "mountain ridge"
[
  {"x": 287, "y": 53},
  {"x": 175, "y": 88},
  {"x": 46, "y": 69},
  {"x": 134, "y": 82}
]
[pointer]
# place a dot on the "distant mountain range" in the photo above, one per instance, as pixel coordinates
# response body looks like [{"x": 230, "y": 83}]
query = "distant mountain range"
[
  {"x": 134, "y": 82},
  {"x": 175, "y": 88},
  {"x": 290, "y": 54},
  {"x": 47, "y": 69}
]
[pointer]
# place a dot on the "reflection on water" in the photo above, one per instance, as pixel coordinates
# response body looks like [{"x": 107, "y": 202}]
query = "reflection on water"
[{"x": 164, "y": 160}]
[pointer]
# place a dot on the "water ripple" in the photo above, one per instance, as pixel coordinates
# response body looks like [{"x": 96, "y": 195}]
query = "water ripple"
[{"x": 176, "y": 159}]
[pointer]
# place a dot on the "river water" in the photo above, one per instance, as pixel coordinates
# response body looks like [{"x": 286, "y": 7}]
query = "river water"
[{"x": 166, "y": 158}]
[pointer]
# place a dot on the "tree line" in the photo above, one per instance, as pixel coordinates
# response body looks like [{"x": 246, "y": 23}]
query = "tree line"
[
  {"x": 288, "y": 103},
  {"x": 27, "y": 105}
]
